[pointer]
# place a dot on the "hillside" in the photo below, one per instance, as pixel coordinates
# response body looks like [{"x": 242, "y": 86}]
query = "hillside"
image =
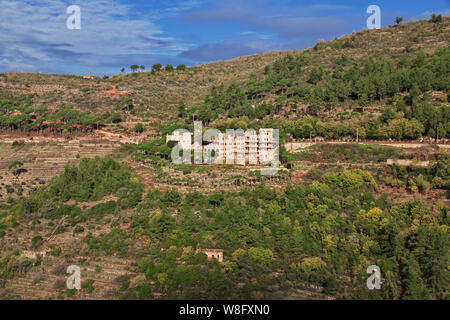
[
  {"x": 86, "y": 177},
  {"x": 292, "y": 88}
]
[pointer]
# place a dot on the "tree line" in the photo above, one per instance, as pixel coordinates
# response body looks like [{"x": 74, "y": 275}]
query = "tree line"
[{"x": 401, "y": 85}]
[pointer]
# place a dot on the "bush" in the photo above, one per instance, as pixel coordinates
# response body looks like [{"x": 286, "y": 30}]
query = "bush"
[
  {"x": 139, "y": 128},
  {"x": 9, "y": 189},
  {"x": 36, "y": 241},
  {"x": 422, "y": 184},
  {"x": 70, "y": 292},
  {"x": 112, "y": 242},
  {"x": 54, "y": 250},
  {"x": 438, "y": 183},
  {"x": 331, "y": 285},
  {"x": 260, "y": 256},
  {"x": 436, "y": 18},
  {"x": 78, "y": 229},
  {"x": 181, "y": 67},
  {"x": 88, "y": 285},
  {"x": 116, "y": 118},
  {"x": 102, "y": 209}
]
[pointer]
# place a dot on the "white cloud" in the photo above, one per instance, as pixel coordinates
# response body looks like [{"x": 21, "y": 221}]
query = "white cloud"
[{"x": 34, "y": 33}]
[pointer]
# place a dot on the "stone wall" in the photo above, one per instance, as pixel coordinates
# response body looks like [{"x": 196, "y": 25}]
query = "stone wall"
[{"x": 214, "y": 254}]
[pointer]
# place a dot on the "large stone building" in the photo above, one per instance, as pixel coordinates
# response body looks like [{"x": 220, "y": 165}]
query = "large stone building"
[{"x": 233, "y": 147}]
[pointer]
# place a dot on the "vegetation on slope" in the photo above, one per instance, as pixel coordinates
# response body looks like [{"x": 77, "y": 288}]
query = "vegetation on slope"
[
  {"x": 377, "y": 81},
  {"x": 326, "y": 103},
  {"x": 275, "y": 241}
]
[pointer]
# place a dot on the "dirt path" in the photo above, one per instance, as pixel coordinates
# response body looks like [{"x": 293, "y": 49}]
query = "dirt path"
[
  {"x": 294, "y": 146},
  {"x": 99, "y": 135}
]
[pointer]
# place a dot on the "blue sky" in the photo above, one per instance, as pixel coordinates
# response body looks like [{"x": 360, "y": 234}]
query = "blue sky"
[{"x": 118, "y": 33}]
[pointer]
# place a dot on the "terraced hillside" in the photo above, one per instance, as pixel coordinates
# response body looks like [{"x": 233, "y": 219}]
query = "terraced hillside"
[
  {"x": 43, "y": 160},
  {"x": 86, "y": 177},
  {"x": 156, "y": 95},
  {"x": 136, "y": 244}
]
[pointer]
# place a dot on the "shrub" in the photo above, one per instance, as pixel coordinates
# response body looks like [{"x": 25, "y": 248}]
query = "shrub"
[
  {"x": 88, "y": 285},
  {"x": 115, "y": 241},
  {"x": 308, "y": 265},
  {"x": 70, "y": 292},
  {"x": 54, "y": 250},
  {"x": 139, "y": 128},
  {"x": 436, "y": 18},
  {"x": 438, "y": 183},
  {"x": 116, "y": 118},
  {"x": 331, "y": 285},
  {"x": 9, "y": 189},
  {"x": 102, "y": 209},
  {"x": 78, "y": 229},
  {"x": 422, "y": 184},
  {"x": 36, "y": 241},
  {"x": 260, "y": 256},
  {"x": 181, "y": 67}
]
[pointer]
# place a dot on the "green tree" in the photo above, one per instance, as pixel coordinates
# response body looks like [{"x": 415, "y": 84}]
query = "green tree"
[
  {"x": 415, "y": 287},
  {"x": 156, "y": 67},
  {"x": 181, "y": 67},
  {"x": 134, "y": 67},
  {"x": 316, "y": 75},
  {"x": 436, "y": 18},
  {"x": 260, "y": 256},
  {"x": 331, "y": 285},
  {"x": 181, "y": 109}
]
